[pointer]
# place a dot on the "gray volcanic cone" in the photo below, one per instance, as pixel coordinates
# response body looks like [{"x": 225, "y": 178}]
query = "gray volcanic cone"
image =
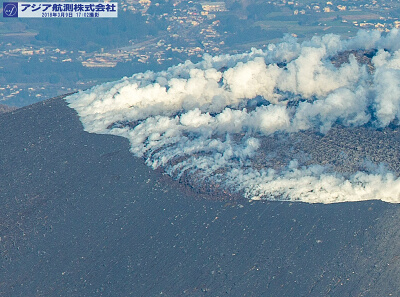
[
  {"x": 170, "y": 207},
  {"x": 81, "y": 216}
]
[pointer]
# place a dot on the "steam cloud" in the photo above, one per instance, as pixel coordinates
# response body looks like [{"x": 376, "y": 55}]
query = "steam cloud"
[{"x": 209, "y": 119}]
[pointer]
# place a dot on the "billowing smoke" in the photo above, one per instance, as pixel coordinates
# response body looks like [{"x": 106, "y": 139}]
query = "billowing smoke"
[{"x": 214, "y": 120}]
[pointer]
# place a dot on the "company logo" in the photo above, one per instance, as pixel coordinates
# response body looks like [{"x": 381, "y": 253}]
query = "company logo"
[
  {"x": 10, "y": 9},
  {"x": 60, "y": 9}
]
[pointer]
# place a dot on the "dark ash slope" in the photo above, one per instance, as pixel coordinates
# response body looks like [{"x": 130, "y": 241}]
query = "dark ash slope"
[{"x": 80, "y": 216}]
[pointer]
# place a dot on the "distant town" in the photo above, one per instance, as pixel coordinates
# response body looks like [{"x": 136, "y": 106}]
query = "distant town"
[{"x": 37, "y": 63}]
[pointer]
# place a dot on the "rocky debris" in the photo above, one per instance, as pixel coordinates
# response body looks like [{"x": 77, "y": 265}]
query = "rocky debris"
[
  {"x": 363, "y": 57},
  {"x": 345, "y": 150}
]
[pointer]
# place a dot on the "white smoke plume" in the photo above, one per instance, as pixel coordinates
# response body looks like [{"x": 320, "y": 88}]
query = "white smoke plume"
[{"x": 209, "y": 119}]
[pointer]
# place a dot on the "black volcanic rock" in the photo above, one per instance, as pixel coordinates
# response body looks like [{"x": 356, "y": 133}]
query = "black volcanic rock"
[{"x": 81, "y": 216}]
